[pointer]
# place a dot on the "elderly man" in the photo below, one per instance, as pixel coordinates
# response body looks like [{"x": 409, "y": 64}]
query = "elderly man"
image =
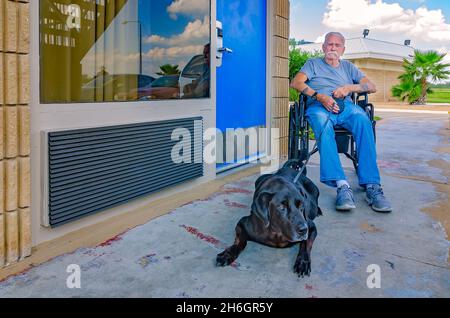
[{"x": 328, "y": 82}]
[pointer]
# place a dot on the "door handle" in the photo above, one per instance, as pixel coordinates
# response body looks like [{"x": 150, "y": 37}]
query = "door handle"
[{"x": 225, "y": 50}]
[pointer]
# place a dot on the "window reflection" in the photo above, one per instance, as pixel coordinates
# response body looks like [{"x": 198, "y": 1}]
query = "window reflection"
[{"x": 124, "y": 50}]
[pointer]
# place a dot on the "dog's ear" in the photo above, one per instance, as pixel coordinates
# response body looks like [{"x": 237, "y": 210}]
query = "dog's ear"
[
  {"x": 319, "y": 211},
  {"x": 261, "y": 179},
  {"x": 315, "y": 211},
  {"x": 261, "y": 207}
]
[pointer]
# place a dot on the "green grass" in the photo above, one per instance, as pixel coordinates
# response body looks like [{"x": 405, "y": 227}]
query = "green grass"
[{"x": 440, "y": 95}]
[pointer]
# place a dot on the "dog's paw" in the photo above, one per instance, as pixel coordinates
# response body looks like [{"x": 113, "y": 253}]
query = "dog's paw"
[
  {"x": 302, "y": 266},
  {"x": 225, "y": 258}
]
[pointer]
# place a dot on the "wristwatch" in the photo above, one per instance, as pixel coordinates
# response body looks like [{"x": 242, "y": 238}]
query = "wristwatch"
[{"x": 314, "y": 96}]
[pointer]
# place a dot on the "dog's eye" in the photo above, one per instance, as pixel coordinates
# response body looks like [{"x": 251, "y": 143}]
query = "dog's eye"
[
  {"x": 298, "y": 203},
  {"x": 284, "y": 205}
]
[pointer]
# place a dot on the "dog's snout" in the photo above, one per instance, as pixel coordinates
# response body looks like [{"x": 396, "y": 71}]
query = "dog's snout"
[
  {"x": 302, "y": 232},
  {"x": 302, "y": 228}
]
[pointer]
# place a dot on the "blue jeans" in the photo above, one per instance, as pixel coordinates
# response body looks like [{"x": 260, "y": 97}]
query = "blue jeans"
[{"x": 354, "y": 119}]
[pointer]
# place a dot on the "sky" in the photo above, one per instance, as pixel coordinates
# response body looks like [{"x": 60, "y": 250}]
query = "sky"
[
  {"x": 425, "y": 22},
  {"x": 173, "y": 32}
]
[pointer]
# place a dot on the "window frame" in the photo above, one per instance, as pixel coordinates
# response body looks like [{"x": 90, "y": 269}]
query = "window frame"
[{"x": 36, "y": 6}]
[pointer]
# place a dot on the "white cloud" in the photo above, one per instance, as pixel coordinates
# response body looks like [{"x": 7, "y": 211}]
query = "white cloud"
[
  {"x": 443, "y": 50},
  {"x": 196, "y": 32},
  {"x": 175, "y": 52},
  {"x": 196, "y": 8},
  {"x": 446, "y": 58},
  {"x": 320, "y": 38},
  {"x": 114, "y": 62},
  {"x": 179, "y": 55},
  {"x": 422, "y": 24}
]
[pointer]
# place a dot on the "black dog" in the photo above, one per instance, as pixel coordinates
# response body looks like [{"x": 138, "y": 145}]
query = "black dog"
[{"x": 282, "y": 215}]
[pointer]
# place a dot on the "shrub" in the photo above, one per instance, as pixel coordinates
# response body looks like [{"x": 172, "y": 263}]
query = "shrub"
[{"x": 298, "y": 58}]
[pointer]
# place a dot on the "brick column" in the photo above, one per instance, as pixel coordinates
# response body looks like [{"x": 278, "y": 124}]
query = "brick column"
[
  {"x": 280, "y": 73},
  {"x": 15, "y": 219}
]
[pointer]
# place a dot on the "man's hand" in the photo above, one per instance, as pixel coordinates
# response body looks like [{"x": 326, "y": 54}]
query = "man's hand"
[
  {"x": 365, "y": 86},
  {"x": 329, "y": 103},
  {"x": 342, "y": 92}
]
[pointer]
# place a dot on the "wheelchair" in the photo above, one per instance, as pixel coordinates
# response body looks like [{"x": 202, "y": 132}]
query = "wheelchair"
[{"x": 298, "y": 148}]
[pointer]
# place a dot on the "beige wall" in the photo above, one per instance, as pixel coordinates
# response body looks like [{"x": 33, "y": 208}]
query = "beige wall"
[
  {"x": 280, "y": 73},
  {"x": 384, "y": 74},
  {"x": 15, "y": 238}
]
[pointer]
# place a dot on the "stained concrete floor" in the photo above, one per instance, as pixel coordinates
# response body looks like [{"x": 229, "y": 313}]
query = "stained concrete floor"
[{"x": 174, "y": 255}]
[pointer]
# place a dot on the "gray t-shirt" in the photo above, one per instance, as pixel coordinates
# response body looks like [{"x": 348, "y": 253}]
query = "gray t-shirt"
[{"x": 325, "y": 78}]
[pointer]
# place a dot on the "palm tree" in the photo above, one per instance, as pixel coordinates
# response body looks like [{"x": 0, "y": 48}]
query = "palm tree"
[
  {"x": 407, "y": 90},
  {"x": 414, "y": 83},
  {"x": 168, "y": 69},
  {"x": 293, "y": 43}
]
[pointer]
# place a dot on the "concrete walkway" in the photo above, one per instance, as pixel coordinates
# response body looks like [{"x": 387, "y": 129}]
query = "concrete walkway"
[
  {"x": 174, "y": 255},
  {"x": 442, "y": 108}
]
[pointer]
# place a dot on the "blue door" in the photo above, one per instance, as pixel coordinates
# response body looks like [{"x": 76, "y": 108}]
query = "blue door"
[{"x": 241, "y": 78}]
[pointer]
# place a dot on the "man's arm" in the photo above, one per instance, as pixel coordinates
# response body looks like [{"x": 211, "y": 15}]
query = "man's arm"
[
  {"x": 299, "y": 83},
  {"x": 364, "y": 86}
]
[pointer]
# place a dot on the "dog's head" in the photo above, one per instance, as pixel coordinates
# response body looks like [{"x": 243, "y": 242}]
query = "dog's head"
[{"x": 283, "y": 212}]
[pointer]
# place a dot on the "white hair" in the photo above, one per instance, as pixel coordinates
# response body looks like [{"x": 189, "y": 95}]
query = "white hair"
[{"x": 339, "y": 35}]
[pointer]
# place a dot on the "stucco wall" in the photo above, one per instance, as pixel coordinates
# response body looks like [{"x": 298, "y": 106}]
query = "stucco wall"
[
  {"x": 15, "y": 238},
  {"x": 384, "y": 74}
]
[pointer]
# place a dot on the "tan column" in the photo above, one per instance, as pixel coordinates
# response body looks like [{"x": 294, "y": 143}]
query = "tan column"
[
  {"x": 280, "y": 73},
  {"x": 15, "y": 214}
]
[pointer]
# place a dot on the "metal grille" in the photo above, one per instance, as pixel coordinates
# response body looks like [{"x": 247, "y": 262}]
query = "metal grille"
[{"x": 90, "y": 170}]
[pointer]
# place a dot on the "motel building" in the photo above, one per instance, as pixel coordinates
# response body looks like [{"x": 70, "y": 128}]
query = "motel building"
[{"x": 97, "y": 98}]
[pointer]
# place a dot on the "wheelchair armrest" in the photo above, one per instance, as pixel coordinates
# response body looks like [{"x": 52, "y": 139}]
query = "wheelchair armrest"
[
  {"x": 362, "y": 99},
  {"x": 302, "y": 99},
  {"x": 359, "y": 97},
  {"x": 302, "y": 103}
]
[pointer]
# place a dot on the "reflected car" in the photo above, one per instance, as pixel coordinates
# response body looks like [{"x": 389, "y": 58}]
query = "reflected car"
[
  {"x": 117, "y": 87},
  {"x": 191, "y": 74},
  {"x": 164, "y": 87},
  {"x": 144, "y": 83}
]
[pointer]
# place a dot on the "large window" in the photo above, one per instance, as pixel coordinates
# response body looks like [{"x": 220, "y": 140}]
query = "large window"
[{"x": 124, "y": 50}]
